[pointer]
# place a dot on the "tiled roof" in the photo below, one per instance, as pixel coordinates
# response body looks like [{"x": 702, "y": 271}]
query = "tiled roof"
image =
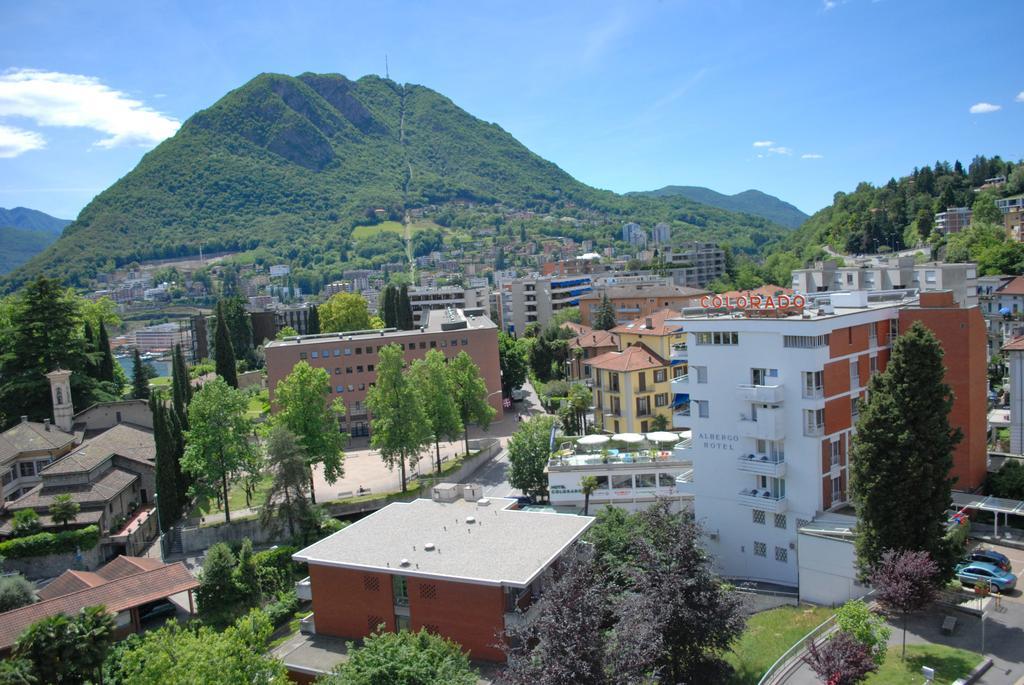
[
  {"x": 122, "y": 566},
  {"x": 1014, "y": 287},
  {"x": 1015, "y": 345},
  {"x": 31, "y": 436},
  {"x": 641, "y": 291},
  {"x": 96, "y": 492},
  {"x": 595, "y": 339},
  {"x": 577, "y": 328},
  {"x": 116, "y": 595},
  {"x": 634, "y": 358},
  {"x": 68, "y": 582},
  {"x": 127, "y": 440},
  {"x": 659, "y": 324}
]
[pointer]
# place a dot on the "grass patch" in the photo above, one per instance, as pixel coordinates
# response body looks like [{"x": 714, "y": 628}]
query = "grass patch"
[
  {"x": 160, "y": 382},
  {"x": 949, "y": 664},
  {"x": 287, "y": 631},
  {"x": 236, "y": 499},
  {"x": 258, "y": 406},
  {"x": 767, "y": 637},
  {"x": 396, "y": 227}
]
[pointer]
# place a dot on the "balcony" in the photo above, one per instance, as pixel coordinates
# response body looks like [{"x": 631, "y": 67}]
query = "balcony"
[
  {"x": 768, "y": 394},
  {"x": 517, "y": 618},
  {"x": 813, "y": 393},
  {"x": 762, "y": 499},
  {"x": 307, "y": 625},
  {"x": 304, "y": 590},
  {"x": 769, "y": 425},
  {"x": 762, "y": 465},
  {"x": 680, "y": 384}
]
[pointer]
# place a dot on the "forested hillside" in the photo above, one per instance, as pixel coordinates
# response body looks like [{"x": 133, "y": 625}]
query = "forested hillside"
[
  {"x": 749, "y": 202},
  {"x": 25, "y": 233}
]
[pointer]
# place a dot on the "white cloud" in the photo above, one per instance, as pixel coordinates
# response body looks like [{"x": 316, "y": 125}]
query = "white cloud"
[
  {"x": 16, "y": 141},
  {"x": 1020, "y": 96},
  {"x": 72, "y": 100},
  {"x": 829, "y": 4},
  {"x": 764, "y": 143},
  {"x": 811, "y": 155},
  {"x": 781, "y": 150},
  {"x": 984, "y": 108}
]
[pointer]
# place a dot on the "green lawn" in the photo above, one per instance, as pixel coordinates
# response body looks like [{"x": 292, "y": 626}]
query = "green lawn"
[
  {"x": 259, "y": 405},
  {"x": 236, "y": 499},
  {"x": 949, "y": 664},
  {"x": 767, "y": 637},
  {"x": 160, "y": 382},
  {"x": 363, "y": 232}
]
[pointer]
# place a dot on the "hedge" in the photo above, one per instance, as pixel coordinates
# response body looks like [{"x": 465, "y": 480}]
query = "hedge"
[{"x": 41, "y": 544}]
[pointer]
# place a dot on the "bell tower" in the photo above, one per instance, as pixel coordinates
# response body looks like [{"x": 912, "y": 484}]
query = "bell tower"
[{"x": 60, "y": 394}]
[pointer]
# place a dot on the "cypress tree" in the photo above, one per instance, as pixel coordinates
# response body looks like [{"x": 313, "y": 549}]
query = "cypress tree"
[
  {"x": 181, "y": 386},
  {"x": 390, "y": 307},
  {"x": 604, "y": 319},
  {"x": 91, "y": 361},
  {"x": 106, "y": 363},
  {"x": 176, "y": 433},
  {"x": 903, "y": 453},
  {"x": 313, "y": 324},
  {"x": 168, "y": 503},
  {"x": 224, "y": 353},
  {"x": 140, "y": 379},
  {"x": 404, "y": 314}
]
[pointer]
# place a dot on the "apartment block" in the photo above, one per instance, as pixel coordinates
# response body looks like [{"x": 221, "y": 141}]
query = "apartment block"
[
  {"x": 351, "y": 358},
  {"x": 695, "y": 264},
  {"x": 631, "y": 388},
  {"x": 953, "y": 220},
  {"x": 890, "y": 274},
  {"x": 661, "y": 234},
  {"x": 774, "y": 403},
  {"x": 533, "y": 299},
  {"x": 634, "y": 234},
  {"x": 638, "y": 300},
  {"x": 423, "y": 300}
]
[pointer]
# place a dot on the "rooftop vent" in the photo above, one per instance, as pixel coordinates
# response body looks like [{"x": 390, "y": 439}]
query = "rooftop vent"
[
  {"x": 428, "y": 546},
  {"x": 404, "y": 562},
  {"x": 471, "y": 519},
  {"x": 483, "y": 502}
]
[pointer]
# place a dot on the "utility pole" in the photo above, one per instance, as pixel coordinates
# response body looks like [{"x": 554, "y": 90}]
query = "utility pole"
[{"x": 387, "y": 73}]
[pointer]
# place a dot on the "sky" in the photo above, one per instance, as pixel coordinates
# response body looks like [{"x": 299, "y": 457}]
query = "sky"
[{"x": 797, "y": 98}]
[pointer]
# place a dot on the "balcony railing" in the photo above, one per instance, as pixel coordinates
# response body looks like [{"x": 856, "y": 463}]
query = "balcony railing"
[
  {"x": 814, "y": 431},
  {"x": 763, "y": 465},
  {"x": 762, "y": 499},
  {"x": 770, "y": 394},
  {"x": 768, "y": 425}
]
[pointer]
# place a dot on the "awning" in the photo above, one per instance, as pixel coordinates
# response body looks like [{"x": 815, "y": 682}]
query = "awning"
[
  {"x": 628, "y": 437},
  {"x": 662, "y": 436},
  {"x": 593, "y": 440}
]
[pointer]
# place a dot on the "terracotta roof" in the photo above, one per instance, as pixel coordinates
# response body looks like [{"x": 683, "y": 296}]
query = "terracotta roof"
[
  {"x": 1014, "y": 287},
  {"x": 1015, "y": 345},
  {"x": 122, "y": 566},
  {"x": 595, "y": 339},
  {"x": 638, "y": 291},
  {"x": 116, "y": 595},
  {"x": 68, "y": 582},
  {"x": 127, "y": 440},
  {"x": 31, "y": 436},
  {"x": 633, "y": 358},
  {"x": 96, "y": 492},
  {"x": 577, "y": 328},
  {"x": 659, "y": 324}
]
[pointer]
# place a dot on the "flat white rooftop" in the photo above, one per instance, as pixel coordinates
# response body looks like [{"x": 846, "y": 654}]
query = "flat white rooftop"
[{"x": 473, "y": 542}]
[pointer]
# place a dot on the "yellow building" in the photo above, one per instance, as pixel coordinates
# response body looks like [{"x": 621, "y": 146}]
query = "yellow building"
[
  {"x": 665, "y": 339},
  {"x": 631, "y": 388}
]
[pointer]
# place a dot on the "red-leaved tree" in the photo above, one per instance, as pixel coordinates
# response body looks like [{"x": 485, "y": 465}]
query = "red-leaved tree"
[
  {"x": 905, "y": 582},
  {"x": 840, "y": 660}
]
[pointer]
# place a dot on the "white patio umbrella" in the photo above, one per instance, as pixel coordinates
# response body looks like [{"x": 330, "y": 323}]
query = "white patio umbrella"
[
  {"x": 662, "y": 436},
  {"x": 593, "y": 440},
  {"x": 628, "y": 437}
]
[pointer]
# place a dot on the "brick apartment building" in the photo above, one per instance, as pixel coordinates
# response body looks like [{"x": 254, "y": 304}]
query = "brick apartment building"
[
  {"x": 636, "y": 301},
  {"x": 462, "y": 569},
  {"x": 350, "y": 358}
]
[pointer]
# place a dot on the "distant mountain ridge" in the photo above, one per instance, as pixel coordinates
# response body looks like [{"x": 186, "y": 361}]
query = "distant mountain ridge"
[
  {"x": 749, "y": 202},
  {"x": 291, "y": 164},
  {"x": 24, "y": 233}
]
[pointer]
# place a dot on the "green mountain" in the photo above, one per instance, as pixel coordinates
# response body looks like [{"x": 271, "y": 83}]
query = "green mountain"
[
  {"x": 24, "y": 233},
  {"x": 749, "y": 202},
  {"x": 290, "y": 165}
]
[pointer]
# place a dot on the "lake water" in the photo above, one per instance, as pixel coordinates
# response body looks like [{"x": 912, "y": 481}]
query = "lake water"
[{"x": 163, "y": 368}]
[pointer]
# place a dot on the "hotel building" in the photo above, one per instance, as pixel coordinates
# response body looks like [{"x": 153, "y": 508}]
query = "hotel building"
[{"x": 773, "y": 404}]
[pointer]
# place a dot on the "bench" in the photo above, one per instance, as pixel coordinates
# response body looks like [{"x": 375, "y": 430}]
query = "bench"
[{"x": 948, "y": 625}]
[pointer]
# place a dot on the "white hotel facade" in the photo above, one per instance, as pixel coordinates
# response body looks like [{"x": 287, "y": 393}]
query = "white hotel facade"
[{"x": 772, "y": 405}]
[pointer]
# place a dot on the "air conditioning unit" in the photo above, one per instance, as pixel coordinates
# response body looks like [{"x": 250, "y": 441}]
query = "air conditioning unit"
[
  {"x": 792, "y": 545},
  {"x": 713, "y": 536}
]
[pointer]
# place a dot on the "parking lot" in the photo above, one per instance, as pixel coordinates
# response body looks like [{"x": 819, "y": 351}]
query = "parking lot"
[{"x": 1017, "y": 560}]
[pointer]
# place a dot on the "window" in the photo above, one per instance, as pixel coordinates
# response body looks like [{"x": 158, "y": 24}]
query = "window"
[
  {"x": 348, "y": 351},
  {"x": 602, "y": 482},
  {"x": 444, "y": 343},
  {"x": 362, "y": 386},
  {"x": 433, "y": 344},
  {"x": 5, "y": 478},
  {"x": 854, "y": 409},
  {"x": 659, "y": 376},
  {"x": 337, "y": 351},
  {"x": 465, "y": 342},
  {"x": 837, "y": 492},
  {"x": 302, "y": 355},
  {"x": 369, "y": 367},
  {"x": 760, "y": 549},
  {"x": 340, "y": 388},
  {"x": 702, "y": 374},
  {"x": 814, "y": 421},
  {"x": 400, "y": 589},
  {"x": 423, "y": 345},
  {"x": 613, "y": 382},
  {"x": 351, "y": 387},
  {"x": 643, "y": 406},
  {"x": 666, "y": 480},
  {"x": 359, "y": 369},
  {"x": 348, "y": 369},
  {"x": 780, "y": 521},
  {"x": 455, "y": 342},
  {"x": 874, "y": 333},
  {"x": 642, "y": 380},
  {"x": 337, "y": 370},
  {"x": 782, "y": 554},
  {"x": 647, "y": 480},
  {"x": 28, "y": 469},
  {"x": 661, "y": 400},
  {"x": 805, "y": 341},
  {"x": 813, "y": 384},
  {"x": 759, "y": 516},
  {"x": 849, "y": 279},
  {"x": 314, "y": 354},
  {"x": 718, "y": 338},
  {"x": 854, "y": 373},
  {"x": 834, "y": 457},
  {"x": 929, "y": 276},
  {"x": 703, "y": 410},
  {"x": 622, "y": 482},
  {"x": 873, "y": 361}
]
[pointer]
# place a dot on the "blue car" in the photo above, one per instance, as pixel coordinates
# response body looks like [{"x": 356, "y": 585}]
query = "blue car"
[
  {"x": 991, "y": 556},
  {"x": 983, "y": 573}
]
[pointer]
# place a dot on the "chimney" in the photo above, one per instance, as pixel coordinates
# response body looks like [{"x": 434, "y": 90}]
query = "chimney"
[
  {"x": 46, "y": 424},
  {"x": 24, "y": 419},
  {"x": 648, "y": 323}
]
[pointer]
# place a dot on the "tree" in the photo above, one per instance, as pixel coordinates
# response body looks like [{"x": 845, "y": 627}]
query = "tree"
[
  {"x": 239, "y": 327},
  {"x": 314, "y": 422},
  {"x": 984, "y": 209},
  {"x": 218, "y": 438},
  {"x": 344, "y": 312},
  {"x": 287, "y": 332},
  {"x": 470, "y": 394},
  {"x": 588, "y": 484},
  {"x": 528, "y": 453},
  {"x": 404, "y": 658},
  {"x": 181, "y": 385},
  {"x": 399, "y": 422},
  {"x": 840, "y": 660},
  {"x": 679, "y": 617},
  {"x": 389, "y": 306},
  {"x": 17, "y": 672},
  {"x": 287, "y": 499},
  {"x": 905, "y": 582},
  {"x": 63, "y": 510},
  {"x": 565, "y": 643},
  {"x": 313, "y": 321},
  {"x": 857, "y": 620},
  {"x": 106, "y": 367},
  {"x": 513, "y": 357},
  {"x": 15, "y": 592},
  {"x": 604, "y": 317},
  {"x": 167, "y": 501},
  {"x": 224, "y": 352},
  {"x": 179, "y": 655},
  {"x": 26, "y": 522},
  {"x": 217, "y": 596},
  {"x": 405, "y": 318},
  {"x": 903, "y": 436},
  {"x": 580, "y": 399},
  {"x": 659, "y": 422},
  {"x": 432, "y": 381},
  {"x": 140, "y": 378},
  {"x": 65, "y": 649}
]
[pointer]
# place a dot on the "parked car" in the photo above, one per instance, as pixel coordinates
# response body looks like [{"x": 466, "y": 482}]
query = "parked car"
[
  {"x": 983, "y": 573},
  {"x": 991, "y": 556},
  {"x": 158, "y": 609},
  {"x": 518, "y": 394}
]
